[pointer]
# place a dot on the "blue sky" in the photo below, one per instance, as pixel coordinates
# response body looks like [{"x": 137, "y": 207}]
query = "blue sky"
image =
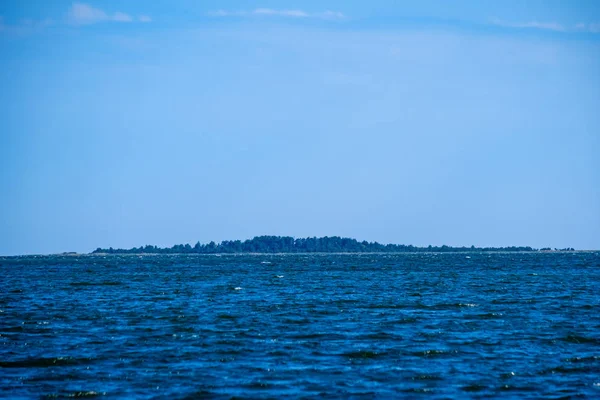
[{"x": 131, "y": 122}]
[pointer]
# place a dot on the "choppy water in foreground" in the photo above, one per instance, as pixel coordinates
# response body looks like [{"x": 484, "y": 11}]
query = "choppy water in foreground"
[{"x": 332, "y": 326}]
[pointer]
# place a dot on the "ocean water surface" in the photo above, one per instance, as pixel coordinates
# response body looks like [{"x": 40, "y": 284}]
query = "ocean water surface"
[{"x": 510, "y": 325}]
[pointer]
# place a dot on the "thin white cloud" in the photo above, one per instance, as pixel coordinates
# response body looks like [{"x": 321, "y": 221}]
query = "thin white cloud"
[
  {"x": 331, "y": 15},
  {"x": 85, "y": 14},
  {"x": 592, "y": 28},
  {"x": 121, "y": 17},
  {"x": 270, "y": 12},
  {"x": 550, "y": 26},
  {"x": 25, "y": 26},
  {"x": 82, "y": 14},
  {"x": 221, "y": 13},
  {"x": 37, "y": 24},
  {"x": 281, "y": 13}
]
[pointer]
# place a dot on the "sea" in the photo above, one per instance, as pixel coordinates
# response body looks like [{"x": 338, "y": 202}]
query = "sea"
[{"x": 332, "y": 326}]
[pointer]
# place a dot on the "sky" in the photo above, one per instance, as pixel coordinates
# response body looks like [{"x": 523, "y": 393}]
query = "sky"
[{"x": 125, "y": 123}]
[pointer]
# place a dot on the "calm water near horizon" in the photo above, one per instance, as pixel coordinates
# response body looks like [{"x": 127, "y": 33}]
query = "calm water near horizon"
[{"x": 477, "y": 325}]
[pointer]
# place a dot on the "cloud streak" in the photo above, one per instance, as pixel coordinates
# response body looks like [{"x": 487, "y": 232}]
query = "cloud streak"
[
  {"x": 549, "y": 26},
  {"x": 85, "y": 14},
  {"x": 593, "y": 28},
  {"x": 281, "y": 13},
  {"x": 25, "y": 26},
  {"x": 270, "y": 12}
]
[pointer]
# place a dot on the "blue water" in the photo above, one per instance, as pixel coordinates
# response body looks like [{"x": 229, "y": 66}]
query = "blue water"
[{"x": 520, "y": 325}]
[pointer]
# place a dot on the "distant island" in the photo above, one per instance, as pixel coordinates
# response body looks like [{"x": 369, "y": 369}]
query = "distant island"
[{"x": 288, "y": 244}]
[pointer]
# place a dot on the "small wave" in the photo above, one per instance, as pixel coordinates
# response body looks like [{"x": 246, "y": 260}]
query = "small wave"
[
  {"x": 304, "y": 336},
  {"x": 278, "y": 353},
  {"x": 257, "y": 385},
  {"x": 582, "y": 359},
  {"x": 379, "y": 336},
  {"x": 513, "y": 388},
  {"x": 491, "y": 315},
  {"x": 473, "y": 388},
  {"x": 580, "y": 339},
  {"x": 17, "y": 328},
  {"x": 105, "y": 283},
  {"x": 444, "y": 306},
  {"x": 300, "y": 321},
  {"x": 407, "y": 320},
  {"x": 233, "y": 352},
  {"x": 427, "y": 377},
  {"x": 506, "y": 301},
  {"x": 90, "y": 393},
  {"x": 162, "y": 298},
  {"x": 227, "y": 316},
  {"x": 375, "y": 306},
  {"x": 44, "y": 362},
  {"x": 578, "y": 369},
  {"x": 324, "y": 312},
  {"x": 418, "y": 390},
  {"x": 54, "y": 377},
  {"x": 227, "y": 342},
  {"x": 433, "y": 353},
  {"x": 201, "y": 394},
  {"x": 364, "y": 354}
]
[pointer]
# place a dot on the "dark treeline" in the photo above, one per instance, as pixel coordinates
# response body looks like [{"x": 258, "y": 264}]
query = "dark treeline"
[{"x": 287, "y": 244}]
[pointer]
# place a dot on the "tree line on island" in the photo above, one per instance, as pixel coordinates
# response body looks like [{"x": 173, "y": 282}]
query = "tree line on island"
[{"x": 288, "y": 244}]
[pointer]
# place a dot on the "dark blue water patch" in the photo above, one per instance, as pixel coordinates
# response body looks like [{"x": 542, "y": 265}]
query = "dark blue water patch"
[
  {"x": 42, "y": 362},
  {"x": 276, "y": 326}
]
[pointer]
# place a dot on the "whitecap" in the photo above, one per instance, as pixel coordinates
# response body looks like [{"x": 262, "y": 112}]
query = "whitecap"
[{"x": 237, "y": 288}]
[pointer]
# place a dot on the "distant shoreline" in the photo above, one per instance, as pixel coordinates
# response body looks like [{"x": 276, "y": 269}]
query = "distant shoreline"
[
  {"x": 333, "y": 253},
  {"x": 309, "y": 245},
  {"x": 73, "y": 254},
  {"x": 287, "y": 245}
]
